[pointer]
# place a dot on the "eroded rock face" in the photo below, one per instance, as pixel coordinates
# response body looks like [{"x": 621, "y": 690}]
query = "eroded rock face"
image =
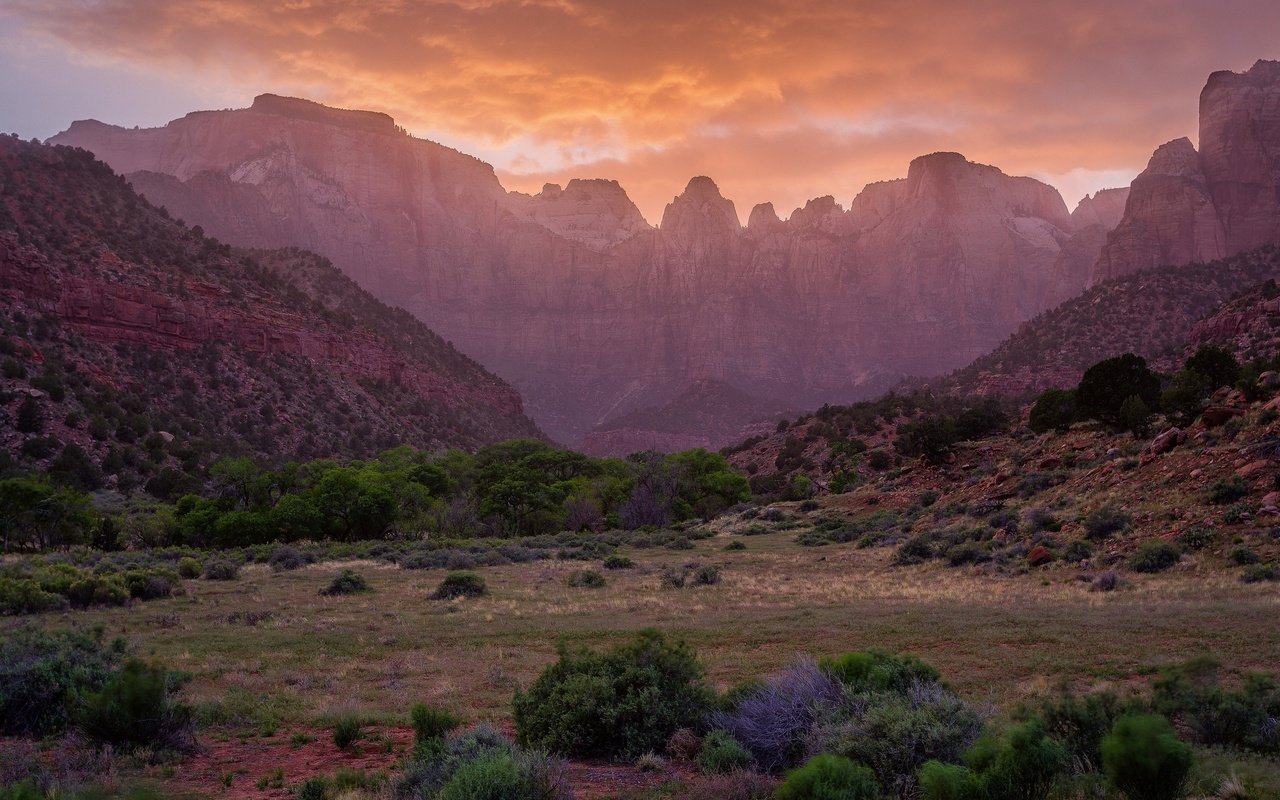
[
  {"x": 1104, "y": 208},
  {"x": 1189, "y": 206},
  {"x": 591, "y": 312}
]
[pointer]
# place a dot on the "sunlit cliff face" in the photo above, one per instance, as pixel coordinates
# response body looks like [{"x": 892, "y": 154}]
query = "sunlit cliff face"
[{"x": 777, "y": 101}]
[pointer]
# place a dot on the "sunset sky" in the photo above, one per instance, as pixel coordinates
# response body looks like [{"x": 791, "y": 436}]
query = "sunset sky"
[{"x": 777, "y": 101}]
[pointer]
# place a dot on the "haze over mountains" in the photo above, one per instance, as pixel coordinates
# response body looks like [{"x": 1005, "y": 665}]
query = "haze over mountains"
[{"x": 592, "y": 313}]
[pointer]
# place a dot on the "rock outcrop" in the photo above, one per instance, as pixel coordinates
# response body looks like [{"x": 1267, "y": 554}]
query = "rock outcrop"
[
  {"x": 1222, "y": 200},
  {"x": 587, "y": 309}
]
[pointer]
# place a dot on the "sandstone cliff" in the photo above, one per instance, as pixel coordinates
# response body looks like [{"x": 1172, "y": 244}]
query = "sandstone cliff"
[
  {"x": 1224, "y": 199},
  {"x": 276, "y": 354},
  {"x": 587, "y": 309}
]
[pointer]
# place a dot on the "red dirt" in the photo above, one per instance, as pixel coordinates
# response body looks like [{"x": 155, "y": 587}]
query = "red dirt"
[{"x": 251, "y": 760}]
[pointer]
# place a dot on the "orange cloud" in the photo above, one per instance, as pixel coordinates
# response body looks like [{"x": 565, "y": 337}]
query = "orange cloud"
[{"x": 775, "y": 100}]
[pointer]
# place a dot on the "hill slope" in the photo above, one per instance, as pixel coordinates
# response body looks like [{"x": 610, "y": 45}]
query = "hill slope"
[{"x": 146, "y": 345}]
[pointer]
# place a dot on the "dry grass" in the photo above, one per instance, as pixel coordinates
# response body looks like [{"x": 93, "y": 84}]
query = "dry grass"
[{"x": 996, "y": 638}]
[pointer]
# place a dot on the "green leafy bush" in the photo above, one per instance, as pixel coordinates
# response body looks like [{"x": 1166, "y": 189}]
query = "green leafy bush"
[
  {"x": 347, "y": 582},
  {"x": 188, "y": 567},
  {"x": 619, "y": 704},
  {"x": 1105, "y": 522},
  {"x": 829, "y": 777},
  {"x": 1020, "y": 764},
  {"x": 1192, "y": 693},
  {"x": 721, "y": 753},
  {"x": 1106, "y": 386},
  {"x": 431, "y": 723},
  {"x": 222, "y": 570},
  {"x": 1055, "y": 409},
  {"x": 618, "y": 562},
  {"x": 1154, "y": 557},
  {"x": 1144, "y": 759},
  {"x": 459, "y": 584},
  {"x": 41, "y": 672},
  {"x": 586, "y": 578},
  {"x": 878, "y": 671},
  {"x": 347, "y": 730},
  {"x": 1227, "y": 490},
  {"x": 135, "y": 708}
]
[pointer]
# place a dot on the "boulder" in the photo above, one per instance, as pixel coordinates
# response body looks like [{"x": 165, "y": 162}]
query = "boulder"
[{"x": 1166, "y": 441}]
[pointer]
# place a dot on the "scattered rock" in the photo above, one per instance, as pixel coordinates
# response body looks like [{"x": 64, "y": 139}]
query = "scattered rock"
[
  {"x": 1214, "y": 416},
  {"x": 1167, "y": 441},
  {"x": 1253, "y": 468},
  {"x": 1039, "y": 556}
]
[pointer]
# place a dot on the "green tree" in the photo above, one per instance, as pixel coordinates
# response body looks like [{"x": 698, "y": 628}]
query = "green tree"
[
  {"x": 36, "y": 515},
  {"x": 1054, "y": 409},
  {"x": 1135, "y": 417},
  {"x": 30, "y": 416},
  {"x": 1107, "y": 384},
  {"x": 1144, "y": 759},
  {"x": 1216, "y": 364}
]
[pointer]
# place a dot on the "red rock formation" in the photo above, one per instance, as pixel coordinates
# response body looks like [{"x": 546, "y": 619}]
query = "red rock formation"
[
  {"x": 1189, "y": 206},
  {"x": 588, "y": 310}
]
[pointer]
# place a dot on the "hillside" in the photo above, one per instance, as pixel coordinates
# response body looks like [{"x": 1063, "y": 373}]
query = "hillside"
[
  {"x": 140, "y": 347},
  {"x": 1150, "y": 313}
]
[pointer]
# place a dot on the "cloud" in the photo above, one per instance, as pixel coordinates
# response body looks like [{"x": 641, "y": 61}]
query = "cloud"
[{"x": 776, "y": 100}]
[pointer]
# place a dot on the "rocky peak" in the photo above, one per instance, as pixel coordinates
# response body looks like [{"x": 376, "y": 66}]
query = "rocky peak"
[
  {"x": 1104, "y": 208},
  {"x": 310, "y": 111},
  {"x": 763, "y": 220},
  {"x": 816, "y": 212},
  {"x": 700, "y": 213},
  {"x": 596, "y": 212},
  {"x": 1177, "y": 158}
]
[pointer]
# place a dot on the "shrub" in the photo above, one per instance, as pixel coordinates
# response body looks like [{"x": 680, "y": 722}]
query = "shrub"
[
  {"x": 1227, "y": 490},
  {"x": 618, "y": 562},
  {"x": 97, "y": 590},
  {"x": 284, "y": 559},
  {"x": 460, "y": 584},
  {"x": 776, "y": 719},
  {"x": 895, "y": 734},
  {"x": 1191, "y": 693},
  {"x": 1154, "y": 557},
  {"x": 498, "y": 776},
  {"x": 829, "y": 777},
  {"x": 1108, "y": 384},
  {"x": 1079, "y": 723},
  {"x": 1055, "y": 409},
  {"x": 316, "y": 788},
  {"x": 1102, "y": 523},
  {"x": 1197, "y": 537},
  {"x": 431, "y": 723},
  {"x": 42, "y": 671},
  {"x": 705, "y": 575},
  {"x": 878, "y": 671},
  {"x": 1107, "y": 581},
  {"x": 1144, "y": 760},
  {"x": 586, "y": 578},
  {"x": 1260, "y": 573},
  {"x": 347, "y": 731},
  {"x": 222, "y": 570},
  {"x": 135, "y": 708},
  {"x": 188, "y": 567},
  {"x": 1243, "y": 556},
  {"x": 24, "y": 596},
  {"x": 721, "y": 753},
  {"x": 347, "y": 582},
  {"x": 1020, "y": 764},
  {"x": 618, "y": 704}
]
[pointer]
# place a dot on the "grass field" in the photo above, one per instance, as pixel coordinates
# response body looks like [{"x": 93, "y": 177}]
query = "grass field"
[{"x": 269, "y": 653}]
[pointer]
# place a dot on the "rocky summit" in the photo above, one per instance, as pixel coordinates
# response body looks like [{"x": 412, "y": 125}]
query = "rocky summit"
[
  {"x": 589, "y": 310},
  {"x": 1219, "y": 201}
]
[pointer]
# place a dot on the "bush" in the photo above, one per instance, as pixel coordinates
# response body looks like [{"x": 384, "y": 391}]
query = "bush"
[
  {"x": 618, "y": 704},
  {"x": 188, "y": 567},
  {"x": 895, "y": 734},
  {"x": 431, "y": 723},
  {"x": 1197, "y": 537},
  {"x": 1055, "y": 409},
  {"x": 1079, "y": 723},
  {"x": 1106, "y": 386},
  {"x": 940, "y": 781},
  {"x": 316, "y": 788},
  {"x": 347, "y": 731},
  {"x": 42, "y": 671},
  {"x": 828, "y": 777},
  {"x": 721, "y": 753},
  {"x": 878, "y": 671},
  {"x": 1154, "y": 557},
  {"x": 499, "y": 776},
  {"x": 1144, "y": 760},
  {"x": 152, "y": 584},
  {"x": 284, "y": 559},
  {"x": 1227, "y": 490},
  {"x": 736, "y": 544},
  {"x": 586, "y": 578},
  {"x": 1021, "y": 764},
  {"x": 705, "y": 575},
  {"x": 24, "y": 596},
  {"x": 1102, "y": 523},
  {"x": 1243, "y": 556},
  {"x": 618, "y": 562},
  {"x": 135, "y": 708},
  {"x": 222, "y": 570},
  {"x": 775, "y": 720},
  {"x": 1192, "y": 694},
  {"x": 348, "y": 582},
  {"x": 460, "y": 584}
]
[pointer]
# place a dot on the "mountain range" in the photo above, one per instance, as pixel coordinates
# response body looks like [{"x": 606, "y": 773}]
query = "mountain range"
[{"x": 596, "y": 316}]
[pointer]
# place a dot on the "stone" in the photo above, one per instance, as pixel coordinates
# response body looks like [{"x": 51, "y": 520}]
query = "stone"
[
  {"x": 1166, "y": 441},
  {"x": 1269, "y": 380},
  {"x": 1213, "y": 416},
  {"x": 1254, "y": 467}
]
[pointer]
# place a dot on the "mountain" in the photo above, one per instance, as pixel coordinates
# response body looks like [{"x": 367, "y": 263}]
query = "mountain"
[
  {"x": 707, "y": 414},
  {"x": 589, "y": 310},
  {"x": 1152, "y": 313},
  {"x": 1222, "y": 200},
  {"x": 139, "y": 344}
]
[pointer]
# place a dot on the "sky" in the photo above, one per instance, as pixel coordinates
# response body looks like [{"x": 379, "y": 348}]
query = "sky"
[{"x": 776, "y": 101}]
